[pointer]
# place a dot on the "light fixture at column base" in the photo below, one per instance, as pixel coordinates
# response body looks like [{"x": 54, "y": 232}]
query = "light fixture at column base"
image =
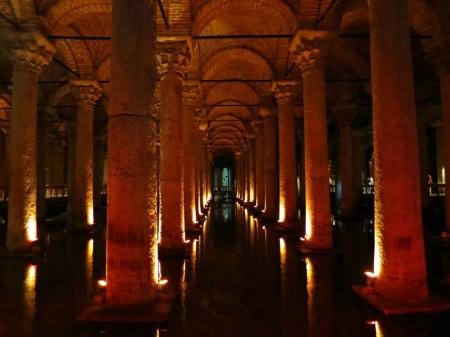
[
  {"x": 311, "y": 251},
  {"x": 433, "y": 303},
  {"x": 155, "y": 312},
  {"x": 286, "y": 227}
]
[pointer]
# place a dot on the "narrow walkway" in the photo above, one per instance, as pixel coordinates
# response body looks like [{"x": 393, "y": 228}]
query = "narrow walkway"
[{"x": 240, "y": 280}]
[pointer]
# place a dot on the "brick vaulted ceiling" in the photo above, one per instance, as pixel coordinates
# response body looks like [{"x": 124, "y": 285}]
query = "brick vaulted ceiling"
[{"x": 219, "y": 59}]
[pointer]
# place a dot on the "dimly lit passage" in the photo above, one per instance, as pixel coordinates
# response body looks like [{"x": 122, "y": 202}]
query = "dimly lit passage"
[{"x": 224, "y": 168}]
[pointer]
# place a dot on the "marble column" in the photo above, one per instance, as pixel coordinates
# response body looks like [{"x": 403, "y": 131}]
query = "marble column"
[
  {"x": 345, "y": 115},
  {"x": 42, "y": 167},
  {"x": 270, "y": 165},
  {"x": 191, "y": 93},
  {"x": 33, "y": 52},
  {"x": 310, "y": 49},
  {"x": 172, "y": 59},
  {"x": 258, "y": 129},
  {"x": 440, "y": 53},
  {"x": 99, "y": 165},
  {"x": 285, "y": 95},
  {"x": 132, "y": 239},
  {"x": 398, "y": 218},
  {"x": 86, "y": 93},
  {"x": 200, "y": 127},
  {"x": 251, "y": 169}
]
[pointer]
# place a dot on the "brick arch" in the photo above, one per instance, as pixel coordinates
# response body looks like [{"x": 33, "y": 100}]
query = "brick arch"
[
  {"x": 212, "y": 9},
  {"x": 219, "y": 60},
  {"x": 231, "y": 92},
  {"x": 65, "y": 12}
]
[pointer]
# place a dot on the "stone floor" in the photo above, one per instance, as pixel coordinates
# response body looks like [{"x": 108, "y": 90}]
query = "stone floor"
[{"x": 239, "y": 280}]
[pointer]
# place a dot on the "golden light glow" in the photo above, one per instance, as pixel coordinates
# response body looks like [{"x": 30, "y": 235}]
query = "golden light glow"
[
  {"x": 163, "y": 282},
  {"x": 282, "y": 214},
  {"x": 101, "y": 283},
  {"x": 90, "y": 213},
  {"x": 193, "y": 215},
  {"x": 378, "y": 330},
  {"x": 89, "y": 259},
  {"x": 377, "y": 259},
  {"x": 283, "y": 259},
  {"x": 310, "y": 286},
  {"x": 308, "y": 226},
  {"x": 30, "y": 290},
  {"x": 31, "y": 228}
]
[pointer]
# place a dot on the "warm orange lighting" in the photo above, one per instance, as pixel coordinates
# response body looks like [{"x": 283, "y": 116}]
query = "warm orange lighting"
[
  {"x": 31, "y": 228},
  {"x": 163, "y": 282},
  {"x": 30, "y": 291},
  {"x": 308, "y": 226},
  {"x": 282, "y": 215},
  {"x": 101, "y": 283},
  {"x": 377, "y": 256},
  {"x": 90, "y": 213},
  {"x": 283, "y": 259},
  {"x": 89, "y": 258}
]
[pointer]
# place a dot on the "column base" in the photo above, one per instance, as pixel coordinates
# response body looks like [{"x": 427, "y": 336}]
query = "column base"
[
  {"x": 155, "y": 312},
  {"x": 287, "y": 227},
  {"x": 34, "y": 249},
  {"x": 174, "y": 250},
  {"x": 432, "y": 304}
]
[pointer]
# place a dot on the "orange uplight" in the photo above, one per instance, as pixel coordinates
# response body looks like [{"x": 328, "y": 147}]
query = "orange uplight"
[
  {"x": 90, "y": 213},
  {"x": 282, "y": 215},
  {"x": 101, "y": 283},
  {"x": 31, "y": 228},
  {"x": 162, "y": 282},
  {"x": 308, "y": 226}
]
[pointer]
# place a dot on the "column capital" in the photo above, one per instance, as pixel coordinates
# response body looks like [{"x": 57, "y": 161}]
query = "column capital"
[
  {"x": 32, "y": 51},
  {"x": 86, "y": 91},
  {"x": 284, "y": 91},
  {"x": 344, "y": 114},
  {"x": 200, "y": 122},
  {"x": 310, "y": 48},
  {"x": 172, "y": 55},
  {"x": 191, "y": 91},
  {"x": 257, "y": 126},
  {"x": 438, "y": 52}
]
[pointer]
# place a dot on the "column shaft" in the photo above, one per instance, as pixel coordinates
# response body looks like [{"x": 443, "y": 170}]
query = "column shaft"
[
  {"x": 270, "y": 168},
  {"x": 132, "y": 241},
  {"x": 445, "y": 90},
  {"x": 259, "y": 156},
  {"x": 172, "y": 205},
  {"x": 318, "y": 229},
  {"x": 398, "y": 225},
  {"x": 251, "y": 170}
]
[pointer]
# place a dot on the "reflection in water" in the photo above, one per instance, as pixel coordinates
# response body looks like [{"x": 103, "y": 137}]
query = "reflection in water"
[
  {"x": 30, "y": 297},
  {"x": 240, "y": 279}
]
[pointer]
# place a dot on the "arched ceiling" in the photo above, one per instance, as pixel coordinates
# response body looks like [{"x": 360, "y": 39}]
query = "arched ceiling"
[{"x": 239, "y": 47}]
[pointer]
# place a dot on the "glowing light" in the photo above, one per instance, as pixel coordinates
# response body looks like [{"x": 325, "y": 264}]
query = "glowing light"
[
  {"x": 443, "y": 174},
  {"x": 163, "y": 282},
  {"x": 282, "y": 215},
  {"x": 308, "y": 226},
  {"x": 89, "y": 259},
  {"x": 90, "y": 213},
  {"x": 283, "y": 259},
  {"x": 30, "y": 291},
  {"x": 378, "y": 330},
  {"x": 102, "y": 283},
  {"x": 193, "y": 215},
  {"x": 310, "y": 285},
  {"x": 31, "y": 228},
  {"x": 377, "y": 258}
]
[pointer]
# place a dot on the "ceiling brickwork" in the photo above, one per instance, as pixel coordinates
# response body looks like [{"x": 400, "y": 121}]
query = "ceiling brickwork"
[{"x": 251, "y": 63}]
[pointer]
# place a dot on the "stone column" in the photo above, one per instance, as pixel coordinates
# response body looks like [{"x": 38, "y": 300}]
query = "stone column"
[
  {"x": 399, "y": 261},
  {"x": 71, "y": 149},
  {"x": 440, "y": 53},
  {"x": 191, "y": 93},
  {"x": 132, "y": 240},
  {"x": 238, "y": 174},
  {"x": 42, "y": 160},
  {"x": 245, "y": 174},
  {"x": 423, "y": 157},
  {"x": 258, "y": 128},
  {"x": 33, "y": 53},
  {"x": 251, "y": 169},
  {"x": 285, "y": 95},
  {"x": 311, "y": 49},
  {"x": 172, "y": 59},
  {"x": 345, "y": 115},
  {"x": 99, "y": 164},
  {"x": 86, "y": 93},
  {"x": 358, "y": 160},
  {"x": 270, "y": 166},
  {"x": 200, "y": 126}
]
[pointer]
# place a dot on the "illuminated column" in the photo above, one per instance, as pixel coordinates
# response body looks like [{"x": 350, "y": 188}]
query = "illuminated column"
[
  {"x": 132, "y": 240},
  {"x": 172, "y": 60},
  {"x": 441, "y": 56},
  {"x": 345, "y": 115},
  {"x": 42, "y": 160},
  {"x": 191, "y": 93},
  {"x": 310, "y": 49},
  {"x": 259, "y": 162},
  {"x": 285, "y": 95},
  {"x": 201, "y": 126},
  {"x": 238, "y": 174},
  {"x": 33, "y": 53},
  {"x": 209, "y": 158},
  {"x": 270, "y": 166},
  {"x": 86, "y": 94},
  {"x": 71, "y": 145},
  {"x": 399, "y": 260},
  {"x": 251, "y": 169},
  {"x": 246, "y": 173}
]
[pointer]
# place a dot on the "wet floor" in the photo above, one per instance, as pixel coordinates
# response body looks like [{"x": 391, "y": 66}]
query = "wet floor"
[{"x": 240, "y": 279}]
